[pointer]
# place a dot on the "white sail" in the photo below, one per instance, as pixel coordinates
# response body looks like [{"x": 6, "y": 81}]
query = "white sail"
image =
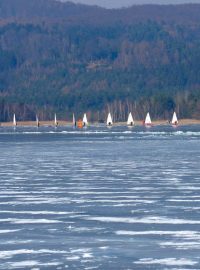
[
  {"x": 174, "y": 119},
  {"x": 74, "y": 120},
  {"x": 14, "y": 121},
  {"x": 37, "y": 121},
  {"x": 55, "y": 121},
  {"x": 109, "y": 121},
  {"x": 85, "y": 121},
  {"x": 147, "y": 120},
  {"x": 130, "y": 121}
]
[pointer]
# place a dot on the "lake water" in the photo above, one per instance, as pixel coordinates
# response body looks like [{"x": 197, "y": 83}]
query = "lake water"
[{"x": 100, "y": 198}]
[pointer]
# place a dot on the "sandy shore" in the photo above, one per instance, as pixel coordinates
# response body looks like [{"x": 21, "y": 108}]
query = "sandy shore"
[{"x": 66, "y": 123}]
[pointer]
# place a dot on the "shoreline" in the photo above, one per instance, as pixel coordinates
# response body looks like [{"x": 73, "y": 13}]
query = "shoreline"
[{"x": 62, "y": 123}]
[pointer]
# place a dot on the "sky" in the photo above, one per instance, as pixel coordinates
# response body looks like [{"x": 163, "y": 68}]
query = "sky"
[{"x": 126, "y": 3}]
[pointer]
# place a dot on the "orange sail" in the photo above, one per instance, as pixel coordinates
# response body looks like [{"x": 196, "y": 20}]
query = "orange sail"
[{"x": 80, "y": 123}]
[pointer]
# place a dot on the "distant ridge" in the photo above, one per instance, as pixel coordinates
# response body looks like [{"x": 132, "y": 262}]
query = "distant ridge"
[
  {"x": 117, "y": 4},
  {"x": 56, "y": 10},
  {"x": 42, "y": 9}
]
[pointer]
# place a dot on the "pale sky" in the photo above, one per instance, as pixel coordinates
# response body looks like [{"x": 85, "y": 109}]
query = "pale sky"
[{"x": 126, "y": 3}]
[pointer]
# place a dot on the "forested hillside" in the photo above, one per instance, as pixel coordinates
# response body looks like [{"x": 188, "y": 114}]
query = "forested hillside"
[{"x": 65, "y": 58}]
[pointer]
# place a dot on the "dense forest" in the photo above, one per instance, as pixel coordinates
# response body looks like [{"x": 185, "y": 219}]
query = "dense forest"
[{"x": 65, "y": 58}]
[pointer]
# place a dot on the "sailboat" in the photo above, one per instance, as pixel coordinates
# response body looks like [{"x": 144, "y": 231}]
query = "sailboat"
[
  {"x": 109, "y": 121},
  {"x": 55, "y": 121},
  {"x": 85, "y": 121},
  {"x": 174, "y": 120},
  {"x": 80, "y": 123},
  {"x": 130, "y": 121},
  {"x": 147, "y": 121},
  {"x": 74, "y": 120},
  {"x": 37, "y": 121},
  {"x": 14, "y": 120}
]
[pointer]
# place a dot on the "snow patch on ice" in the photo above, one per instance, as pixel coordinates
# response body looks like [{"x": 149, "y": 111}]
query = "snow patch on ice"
[
  {"x": 167, "y": 261},
  {"x": 147, "y": 220}
]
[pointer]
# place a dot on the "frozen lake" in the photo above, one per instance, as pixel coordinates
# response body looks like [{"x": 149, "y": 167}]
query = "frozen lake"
[{"x": 100, "y": 198}]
